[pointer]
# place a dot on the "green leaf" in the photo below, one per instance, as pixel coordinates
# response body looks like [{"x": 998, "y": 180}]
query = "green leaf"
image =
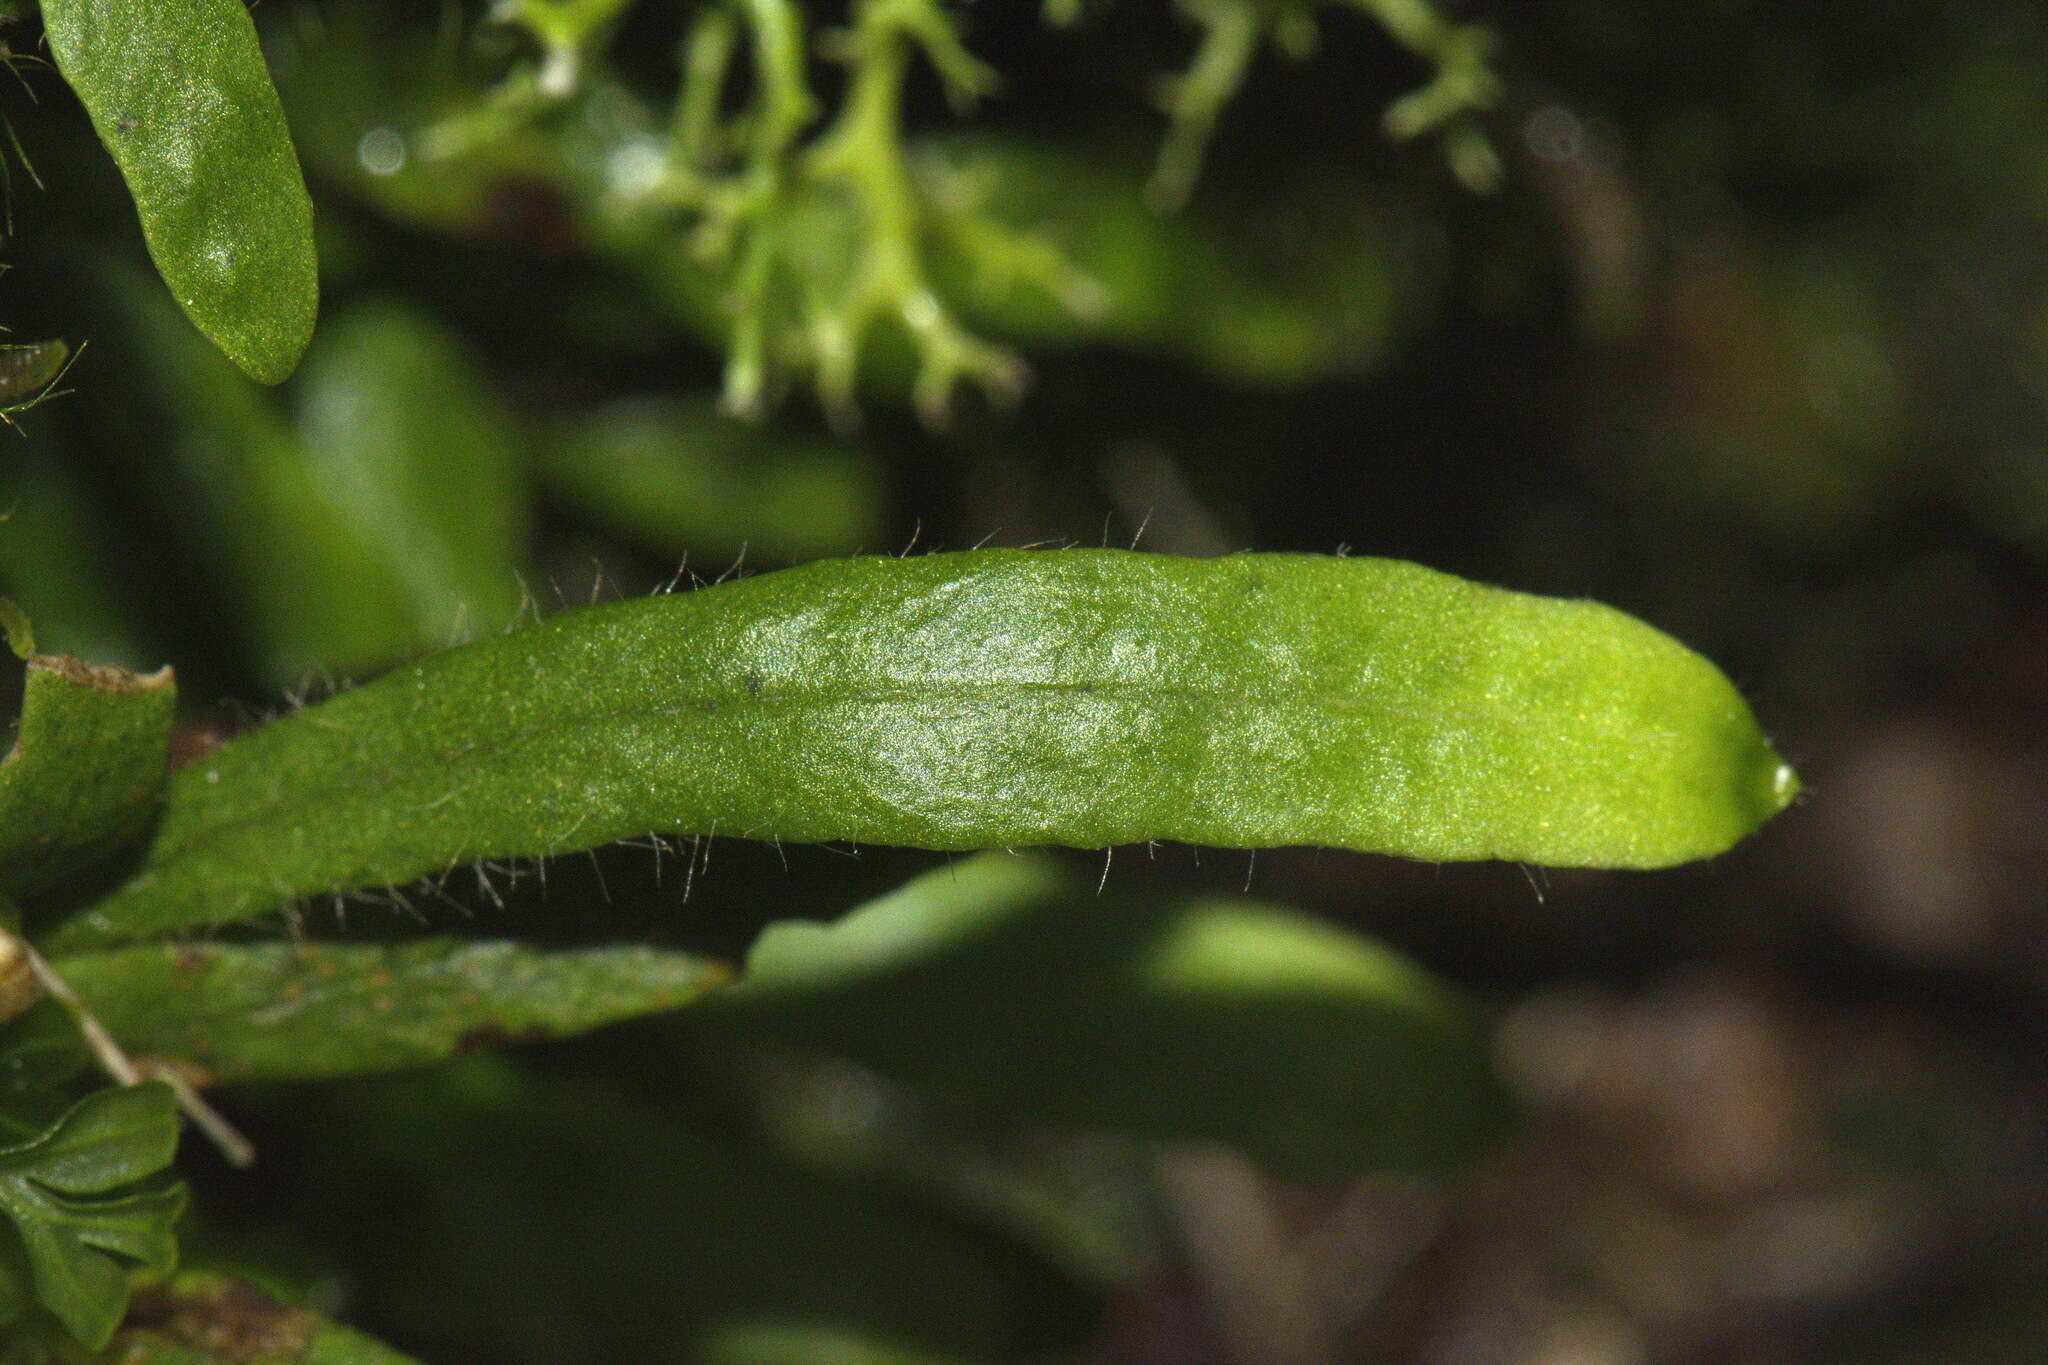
[
  {"x": 73, "y": 1196},
  {"x": 14, "y": 624},
  {"x": 300, "y": 535},
  {"x": 1303, "y": 1045},
  {"x": 82, "y": 777},
  {"x": 178, "y": 92},
  {"x": 200, "y": 1318},
  {"x": 44, "y": 1067},
  {"x": 991, "y": 698},
  {"x": 684, "y": 480},
  {"x": 421, "y": 458},
  {"x": 641, "y": 1224},
  {"x": 281, "y": 1011},
  {"x": 61, "y": 556},
  {"x": 1297, "y": 282}
]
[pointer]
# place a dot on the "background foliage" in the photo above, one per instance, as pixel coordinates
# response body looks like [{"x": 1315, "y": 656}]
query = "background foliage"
[{"x": 1748, "y": 341}]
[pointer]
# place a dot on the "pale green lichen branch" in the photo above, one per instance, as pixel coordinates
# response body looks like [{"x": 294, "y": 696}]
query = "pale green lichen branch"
[
  {"x": 1463, "y": 88},
  {"x": 568, "y": 33},
  {"x": 861, "y": 156},
  {"x": 999, "y": 258},
  {"x": 565, "y": 30},
  {"x": 1233, "y": 31},
  {"x": 819, "y": 244},
  {"x": 751, "y": 233},
  {"x": 819, "y": 241}
]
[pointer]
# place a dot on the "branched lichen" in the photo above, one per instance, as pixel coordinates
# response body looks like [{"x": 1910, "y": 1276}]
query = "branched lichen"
[
  {"x": 817, "y": 224},
  {"x": 822, "y": 241},
  {"x": 1233, "y": 31}
]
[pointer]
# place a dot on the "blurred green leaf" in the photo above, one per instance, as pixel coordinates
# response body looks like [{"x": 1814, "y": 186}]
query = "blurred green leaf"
[
  {"x": 388, "y": 522},
  {"x": 200, "y": 1318},
  {"x": 292, "y": 1011},
  {"x": 82, "y": 777},
  {"x": 991, "y": 698},
  {"x": 1305, "y": 282},
  {"x": 59, "y": 556},
  {"x": 784, "y": 1344},
  {"x": 1005, "y": 984},
  {"x": 69, "y": 1195},
  {"x": 16, "y": 627},
  {"x": 178, "y": 93},
  {"x": 45, "y": 1068},
  {"x": 682, "y": 479},
  {"x": 591, "y": 1225},
  {"x": 313, "y": 590},
  {"x": 420, "y": 457}
]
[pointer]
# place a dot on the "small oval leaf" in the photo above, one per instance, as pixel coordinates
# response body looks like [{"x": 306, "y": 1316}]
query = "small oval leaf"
[
  {"x": 985, "y": 699},
  {"x": 178, "y": 92}
]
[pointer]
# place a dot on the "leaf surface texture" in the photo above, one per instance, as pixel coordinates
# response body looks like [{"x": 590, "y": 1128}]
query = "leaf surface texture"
[{"x": 991, "y": 698}]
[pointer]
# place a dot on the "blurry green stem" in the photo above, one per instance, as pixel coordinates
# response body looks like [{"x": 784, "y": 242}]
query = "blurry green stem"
[{"x": 706, "y": 61}]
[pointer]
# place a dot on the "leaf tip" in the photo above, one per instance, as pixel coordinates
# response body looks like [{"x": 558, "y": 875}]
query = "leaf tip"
[{"x": 21, "y": 637}]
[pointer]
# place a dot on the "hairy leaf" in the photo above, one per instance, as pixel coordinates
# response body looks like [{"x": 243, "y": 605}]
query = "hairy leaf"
[
  {"x": 991, "y": 698},
  {"x": 1304, "y": 1046},
  {"x": 75, "y": 1198},
  {"x": 178, "y": 92},
  {"x": 282, "y": 1011},
  {"x": 200, "y": 1318},
  {"x": 84, "y": 770}
]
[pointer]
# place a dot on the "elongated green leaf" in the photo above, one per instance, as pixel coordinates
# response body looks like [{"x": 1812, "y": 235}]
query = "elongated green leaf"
[
  {"x": 178, "y": 92},
  {"x": 84, "y": 770},
  {"x": 1306, "y": 1047},
  {"x": 421, "y": 458},
  {"x": 1081, "y": 697},
  {"x": 281, "y": 1011},
  {"x": 75, "y": 1199},
  {"x": 200, "y": 1318}
]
